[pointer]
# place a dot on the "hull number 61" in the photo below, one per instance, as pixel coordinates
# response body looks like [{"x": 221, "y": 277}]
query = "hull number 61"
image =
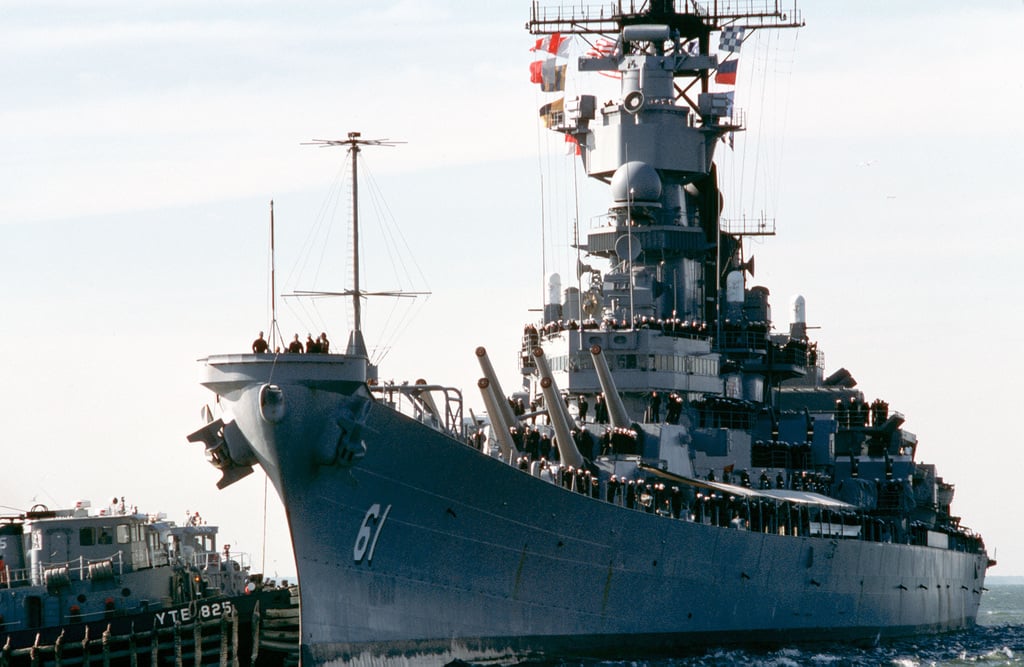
[{"x": 369, "y": 533}]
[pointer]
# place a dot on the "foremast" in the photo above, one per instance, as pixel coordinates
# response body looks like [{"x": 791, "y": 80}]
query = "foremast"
[{"x": 674, "y": 265}]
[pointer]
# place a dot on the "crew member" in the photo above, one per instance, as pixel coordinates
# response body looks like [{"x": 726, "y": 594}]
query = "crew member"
[
  {"x": 655, "y": 408},
  {"x": 259, "y": 346}
]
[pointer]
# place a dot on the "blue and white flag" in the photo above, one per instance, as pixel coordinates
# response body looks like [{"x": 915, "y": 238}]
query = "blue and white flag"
[{"x": 731, "y": 39}]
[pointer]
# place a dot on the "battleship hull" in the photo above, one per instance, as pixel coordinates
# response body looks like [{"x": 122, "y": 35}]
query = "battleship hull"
[
  {"x": 413, "y": 544},
  {"x": 409, "y": 543}
]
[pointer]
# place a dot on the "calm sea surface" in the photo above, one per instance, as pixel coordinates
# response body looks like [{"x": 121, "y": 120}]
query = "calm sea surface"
[{"x": 998, "y": 640}]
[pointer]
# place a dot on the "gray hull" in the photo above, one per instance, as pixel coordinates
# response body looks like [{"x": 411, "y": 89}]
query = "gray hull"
[
  {"x": 428, "y": 547},
  {"x": 412, "y": 543}
]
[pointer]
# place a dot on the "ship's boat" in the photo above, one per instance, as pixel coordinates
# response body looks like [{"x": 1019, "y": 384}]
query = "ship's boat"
[
  {"x": 120, "y": 587},
  {"x": 677, "y": 474}
]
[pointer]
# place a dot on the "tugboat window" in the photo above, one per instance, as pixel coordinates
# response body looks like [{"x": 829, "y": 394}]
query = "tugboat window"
[
  {"x": 87, "y": 537},
  {"x": 123, "y": 534},
  {"x": 34, "y": 611}
]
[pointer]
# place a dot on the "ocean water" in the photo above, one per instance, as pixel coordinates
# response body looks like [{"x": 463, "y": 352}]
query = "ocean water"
[{"x": 997, "y": 640}]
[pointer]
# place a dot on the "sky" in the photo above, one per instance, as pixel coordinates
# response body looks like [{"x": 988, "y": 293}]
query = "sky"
[{"x": 141, "y": 144}]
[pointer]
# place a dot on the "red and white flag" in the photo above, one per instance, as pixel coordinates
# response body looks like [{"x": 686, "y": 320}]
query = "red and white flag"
[
  {"x": 603, "y": 47},
  {"x": 554, "y": 44}
]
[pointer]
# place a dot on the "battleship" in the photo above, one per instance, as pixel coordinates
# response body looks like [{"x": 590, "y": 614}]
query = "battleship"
[
  {"x": 673, "y": 472},
  {"x": 124, "y": 587}
]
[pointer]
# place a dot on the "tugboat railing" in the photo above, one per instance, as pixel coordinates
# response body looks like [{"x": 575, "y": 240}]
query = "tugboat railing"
[
  {"x": 57, "y": 573},
  {"x": 205, "y": 560}
]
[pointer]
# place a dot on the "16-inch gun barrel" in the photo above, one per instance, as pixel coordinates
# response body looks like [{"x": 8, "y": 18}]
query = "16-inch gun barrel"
[
  {"x": 557, "y": 413},
  {"x": 500, "y": 399},
  {"x": 616, "y": 409},
  {"x": 501, "y": 427}
]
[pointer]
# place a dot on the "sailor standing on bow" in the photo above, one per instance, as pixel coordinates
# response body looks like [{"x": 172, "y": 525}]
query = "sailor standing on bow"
[{"x": 259, "y": 346}]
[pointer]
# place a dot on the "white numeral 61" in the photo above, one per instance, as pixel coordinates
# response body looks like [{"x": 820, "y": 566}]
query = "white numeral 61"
[{"x": 369, "y": 533}]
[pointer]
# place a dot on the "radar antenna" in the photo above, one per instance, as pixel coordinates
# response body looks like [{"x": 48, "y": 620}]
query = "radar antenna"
[{"x": 356, "y": 345}]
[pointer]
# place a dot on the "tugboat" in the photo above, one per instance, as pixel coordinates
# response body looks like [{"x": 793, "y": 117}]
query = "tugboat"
[
  {"x": 723, "y": 490},
  {"x": 122, "y": 587}
]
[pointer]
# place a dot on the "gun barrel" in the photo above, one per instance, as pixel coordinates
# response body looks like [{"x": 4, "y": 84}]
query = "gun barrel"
[
  {"x": 616, "y": 409},
  {"x": 501, "y": 427},
  {"x": 559, "y": 416}
]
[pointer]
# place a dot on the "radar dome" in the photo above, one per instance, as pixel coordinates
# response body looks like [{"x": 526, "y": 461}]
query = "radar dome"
[
  {"x": 798, "y": 323},
  {"x": 640, "y": 178},
  {"x": 554, "y": 288},
  {"x": 799, "y": 306}
]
